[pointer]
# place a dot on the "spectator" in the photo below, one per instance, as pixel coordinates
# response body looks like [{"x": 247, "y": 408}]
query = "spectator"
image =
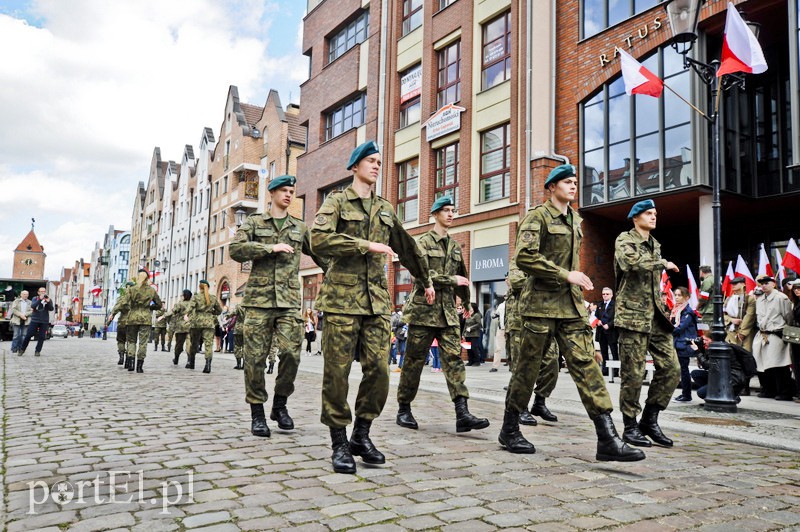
[
  {"x": 310, "y": 328},
  {"x": 606, "y": 332},
  {"x": 20, "y": 314},
  {"x": 498, "y": 323},
  {"x": 472, "y": 333},
  {"x": 684, "y": 319},
  {"x": 705, "y": 306},
  {"x": 41, "y": 307},
  {"x": 743, "y": 367},
  {"x": 436, "y": 366},
  {"x": 401, "y": 335},
  {"x": 93, "y": 331},
  {"x": 795, "y": 298},
  {"x": 773, "y": 313},
  {"x": 219, "y": 328},
  {"x": 320, "y": 317}
]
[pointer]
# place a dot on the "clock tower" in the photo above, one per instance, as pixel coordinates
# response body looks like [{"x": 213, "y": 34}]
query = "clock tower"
[{"x": 29, "y": 258}]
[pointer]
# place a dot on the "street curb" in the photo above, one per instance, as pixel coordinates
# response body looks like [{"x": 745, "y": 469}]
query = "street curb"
[{"x": 3, "y": 459}]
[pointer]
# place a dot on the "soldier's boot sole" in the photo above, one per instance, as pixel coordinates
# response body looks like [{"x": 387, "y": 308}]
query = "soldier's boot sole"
[{"x": 515, "y": 443}]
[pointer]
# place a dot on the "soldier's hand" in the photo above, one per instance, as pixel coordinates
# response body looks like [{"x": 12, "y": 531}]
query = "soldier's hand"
[
  {"x": 430, "y": 295},
  {"x": 375, "y": 247},
  {"x": 282, "y": 248},
  {"x": 580, "y": 279},
  {"x": 671, "y": 266},
  {"x": 462, "y": 281}
]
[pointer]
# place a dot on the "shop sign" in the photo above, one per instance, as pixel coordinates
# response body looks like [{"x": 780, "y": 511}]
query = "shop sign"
[
  {"x": 489, "y": 264},
  {"x": 411, "y": 85},
  {"x": 444, "y": 121}
]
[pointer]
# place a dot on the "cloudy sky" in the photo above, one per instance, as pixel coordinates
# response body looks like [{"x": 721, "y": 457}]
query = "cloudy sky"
[{"x": 89, "y": 87}]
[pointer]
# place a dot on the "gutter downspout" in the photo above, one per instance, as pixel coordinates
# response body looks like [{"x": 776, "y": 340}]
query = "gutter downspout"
[
  {"x": 528, "y": 112},
  {"x": 382, "y": 83},
  {"x": 553, "y": 71}
]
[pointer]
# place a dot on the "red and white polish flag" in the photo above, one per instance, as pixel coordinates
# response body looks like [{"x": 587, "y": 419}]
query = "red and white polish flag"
[
  {"x": 744, "y": 271},
  {"x": 740, "y": 49},
  {"x": 781, "y": 268},
  {"x": 694, "y": 291},
  {"x": 791, "y": 259},
  {"x": 764, "y": 267},
  {"x": 637, "y": 78},
  {"x": 666, "y": 289},
  {"x": 727, "y": 289}
]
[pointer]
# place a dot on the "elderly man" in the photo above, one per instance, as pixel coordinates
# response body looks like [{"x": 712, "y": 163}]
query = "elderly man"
[
  {"x": 41, "y": 307},
  {"x": 772, "y": 354},
  {"x": 20, "y": 313},
  {"x": 740, "y": 315}
]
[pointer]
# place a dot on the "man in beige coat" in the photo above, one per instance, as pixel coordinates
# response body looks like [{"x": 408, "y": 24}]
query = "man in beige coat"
[{"x": 772, "y": 354}]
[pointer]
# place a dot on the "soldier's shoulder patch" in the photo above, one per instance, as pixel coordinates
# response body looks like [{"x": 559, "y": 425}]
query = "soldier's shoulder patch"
[
  {"x": 321, "y": 219},
  {"x": 527, "y": 237}
]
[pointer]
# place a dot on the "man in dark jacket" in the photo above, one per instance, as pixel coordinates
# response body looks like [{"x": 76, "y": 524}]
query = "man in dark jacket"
[
  {"x": 41, "y": 307},
  {"x": 606, "y": 332}
]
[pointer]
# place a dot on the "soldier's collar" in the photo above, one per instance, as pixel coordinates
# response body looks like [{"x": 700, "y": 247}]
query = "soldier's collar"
[
  {"x": 555, "y": 212},
  {"x": 437, "y": 237}
]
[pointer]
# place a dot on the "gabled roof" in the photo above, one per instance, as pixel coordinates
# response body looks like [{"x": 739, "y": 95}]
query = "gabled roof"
[
  {"x": 30, "y": 244},
  {"x": 297, "y": 133},
  {"x": 252, "y": 113}
]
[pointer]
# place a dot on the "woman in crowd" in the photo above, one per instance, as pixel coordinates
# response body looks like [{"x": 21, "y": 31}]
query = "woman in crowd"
[
  {"x": 684, "y": 319},
  {"x": 473, "y": 325},
  {"x": 310, "y": 328}
]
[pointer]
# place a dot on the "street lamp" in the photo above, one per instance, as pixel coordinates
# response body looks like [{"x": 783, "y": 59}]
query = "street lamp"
[
  {"x": 239, "y": 217},
  {"x": 683, "y": 16}
]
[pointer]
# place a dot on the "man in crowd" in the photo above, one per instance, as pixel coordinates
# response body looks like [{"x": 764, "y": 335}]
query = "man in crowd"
[
  {"x": 705, "y": 306},
  {"x": 606, "y": 332},
  {"x": 644, "y": 327},
  {"x": 357, "y": 231},
  {"x": 273, "y": 241},
  {"x": 20, "y": 313},
  {"x": 438, "y": 321},
  {"x": 41, "y": 307},
  {"x": 548, "y": 251},
  {"x": 772, "y": 354}
]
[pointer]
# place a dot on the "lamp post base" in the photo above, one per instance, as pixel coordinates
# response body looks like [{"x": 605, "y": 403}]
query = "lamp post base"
[{"x": 720, "y": 396}]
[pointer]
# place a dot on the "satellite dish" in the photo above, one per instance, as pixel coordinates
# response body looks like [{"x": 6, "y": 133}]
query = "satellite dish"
[{"x": 263, "y": 172}]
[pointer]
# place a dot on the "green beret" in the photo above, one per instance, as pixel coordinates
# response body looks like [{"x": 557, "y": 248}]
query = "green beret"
[
  {"x": 442, "y": 202},
  {"x": 203, "y": 281},
  {"x": 366, "y": 149},
  {"x": 282, "y": 181},
  {"x": 130, "y": 283},
  {"x": 640, "y": 207},
  {"x": 142, "y": 270},
  {"x": 560, "y": 172}
]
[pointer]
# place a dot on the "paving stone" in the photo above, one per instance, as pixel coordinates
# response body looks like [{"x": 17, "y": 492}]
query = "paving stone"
[{"x": 205, "y": 519}]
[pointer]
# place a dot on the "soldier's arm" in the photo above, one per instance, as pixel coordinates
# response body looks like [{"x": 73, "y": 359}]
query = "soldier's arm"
[
  {"x": 157, "y": 304},
  {"x": 628, "y": 257},
  {"x": 529, "y": 259},
  {"x": 409, "y": 253},
  {"x": 320, "y": 261},
  {"x": 243, "y": 248},
  {"x": 749, "y": 318},
  {"x": 516, "y": 279},
  {"x": 326, "y": 241},
  {"x": 217, "y": 310}
]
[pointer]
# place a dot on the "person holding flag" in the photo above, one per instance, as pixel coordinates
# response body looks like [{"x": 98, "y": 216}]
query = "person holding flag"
[
  {"x": 705, "y": 293},
  {"x": 791, "y": 259},
  {"x": 740, "y": 315},
  {"x": 644, "y": 327}
]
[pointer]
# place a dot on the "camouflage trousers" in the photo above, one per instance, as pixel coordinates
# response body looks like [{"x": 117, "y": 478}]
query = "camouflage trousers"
[
  {"x": 271, "y": 331},
  {"x": 548, "y": 372},
  {"x": 160, "y": 335},
  {"x": 122, "y": 339},
  {"x": 419, "y": 342},
  {"x": 180, "y": 341},
  {"x": 140, "y": 334},
  {"x": 238, "y": 343},
  {"x": 204, "y": 336},
  {"x": 633, "y": 349},
  {"x": 344, "y": 334},
  {"x": 574, "y": 339},
  {"x": 170, "y": 334}
]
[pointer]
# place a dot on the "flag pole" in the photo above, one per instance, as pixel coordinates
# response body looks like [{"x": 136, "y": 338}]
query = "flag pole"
[{"x": 687, "y": 102}]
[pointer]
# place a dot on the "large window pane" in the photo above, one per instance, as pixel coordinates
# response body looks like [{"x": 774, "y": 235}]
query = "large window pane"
[
  {"x": 646, "y": 114},
  {"x": 619, "y": 159},
  {"x": 618, "y": 10},
  {"x": 678, "y": 157},
  {"x": 643, "y": 5},
  {"x": 647, "y": 169},
  {"x": 675, "y": 110},
  {"x": 594, "y": 15},
  {"x": 594, "y": 126},
  {"x": 593, "y": 177},
  {"x": 619, "y": 112}
]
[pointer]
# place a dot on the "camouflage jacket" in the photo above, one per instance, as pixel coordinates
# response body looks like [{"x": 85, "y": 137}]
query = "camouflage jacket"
[
  {"x": 355, "y": 282},
  {"x": 444, "y": 262},
  {"x": 705, "y": 305},
  {"x": 202, "y": 315},
  {"x": 638, "y": 265},
  {"x": 175, "y": 317},
  {"x": 140, "y": 301},
  {"x": 274, "y": 279},
  {"x": 516, "y": 280},
  {"x": 160, "y": 324},
  {"x": 122, "y": 321},
  {"x": 548, "y": 248}
]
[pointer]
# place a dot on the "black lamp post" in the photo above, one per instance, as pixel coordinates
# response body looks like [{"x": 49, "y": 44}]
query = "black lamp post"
[
  {"x": 683, "y": 16},
  {"x": 239, "y": 217}
]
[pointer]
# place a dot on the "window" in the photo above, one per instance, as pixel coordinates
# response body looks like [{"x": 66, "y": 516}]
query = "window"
[
  {"x": 448, "y": 82},
  {"x": 412, "y": 15},
  {"x": 597, "y": 15},
  {"x": 408, "y": 190},
  {"x": 496, "y": 56},
  {"x": 495, "y": 180},
  {"x": 225, "y": 184},
  {"x": 213, "y": 255},
  {"x": 124, "y": 255},
  {"x": 223, "y": 219},
  {"x": 447, "y": 172},
  {"x": 402, "y": 285},
  {"x": 338, "y": 187},
  {"x": 352, "y": 34},
  {"x": 213, "y": 223},
  {"x": 410, "y": 86},
  {"x": 345, "y": 117},
  {"x": 444, "y": 3},
  {"x": 216, "y": 189},
  {"x": 221, "y": 254}
]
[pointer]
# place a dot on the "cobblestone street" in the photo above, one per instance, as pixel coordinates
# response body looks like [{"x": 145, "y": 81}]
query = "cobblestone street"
[{"x": 178, "y": 445}]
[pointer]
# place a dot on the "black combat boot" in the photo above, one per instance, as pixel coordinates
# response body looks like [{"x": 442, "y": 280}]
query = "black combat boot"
[
  {"x": 121, "y": 360},
  {"x": 238, "y": 364},
  {"x": 258, "y": 425},
  {"x": 280, "y": 413},
  {"x": 155, "y": 347},
  {"x": 511, "y": 438},
  {"x": 131, "y": 363},
  {"x": 525, "y": 418},
  {"x": 139, "y": 364},
  {"x": 540, "y": 409},
  {"x": 169, "y": 347},
  {"x": 270, "y": 368},
  {"x": 649, "y": 426},
  {"x": 190, "y": 362},
  {"x": 405, "y": 418},
  {"x": 175, "y": 359},
  {"x": 632, "y": 434},
  {"x": 465, "y": 421},
  {"x": 609, "y": 447},
  {"x": 341, "y": 458},
  {"x": 361, "y": 445},
  {"x": 207, "y": 369},
  {"x": 164, "y": 348}
]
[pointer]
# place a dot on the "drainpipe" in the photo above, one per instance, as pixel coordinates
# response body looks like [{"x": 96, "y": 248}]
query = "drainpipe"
[
  {"x": 382, "y": 83},
  {"x": 554, "y": 71},
  {"x": 528, "y": 79}
]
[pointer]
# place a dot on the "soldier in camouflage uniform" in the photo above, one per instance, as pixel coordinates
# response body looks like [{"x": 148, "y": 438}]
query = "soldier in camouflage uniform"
[
  {"x": 238, "y": 337},
  {"x": 551, "y": 303},
  {"x": 122, "y": 326},
  {"x": 140, "y": 301},
  {"x": 202, "y": 311},
  {"x": 439, "y": 321},
  {"x": 644, "y": 326},
  {"x": 356, "y": 230},
  {"x": 179, "y": 326},
  {"x": 160, "y": 329},
  {"x": 705, "y": 307},
  {"x": 274, "y": 242}
]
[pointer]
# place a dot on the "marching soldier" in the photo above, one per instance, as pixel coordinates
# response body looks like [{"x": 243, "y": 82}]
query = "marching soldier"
[
  {"x": 202, "y": 311},
  {"x": 644, "y": 327},
  {"x": 439, "y": 321},
  {"x": 122, "y": 326},
  {"x": 357, "y": 231},
  {"x": 273, "y": 241},
  {"x": 238, "y": 337},
  {"x": 548, "y": 251},
  {"x": 178, "y": 326},
  {"x": 160, "y": 329},
  {"x": 140, "y": 301}
]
